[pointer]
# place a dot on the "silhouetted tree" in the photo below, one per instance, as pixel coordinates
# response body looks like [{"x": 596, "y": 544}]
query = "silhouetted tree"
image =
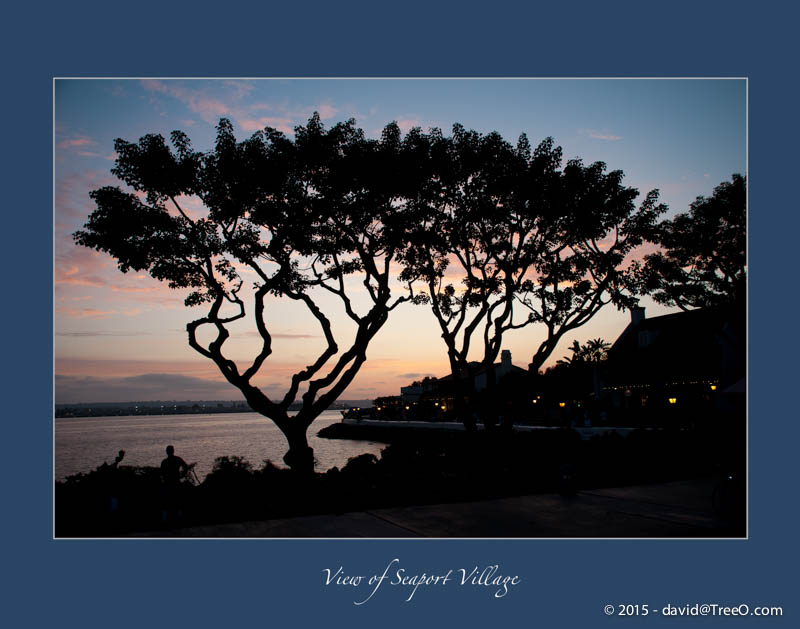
[
  {"x": 467, "y": 219},
  {"x": 585, "y": 267},
  {"x": 513, "y": 227},
  {"x": 594, "y": 351},
  {"x": 577, "y": 355},
  {"x": 703, "y": 259},
  {"x": 585, "y": 362},
  {"x": 298, "y": 215}
]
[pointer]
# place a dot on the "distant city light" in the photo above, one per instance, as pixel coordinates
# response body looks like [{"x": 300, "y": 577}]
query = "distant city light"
[{"x": 672, "y": 400}]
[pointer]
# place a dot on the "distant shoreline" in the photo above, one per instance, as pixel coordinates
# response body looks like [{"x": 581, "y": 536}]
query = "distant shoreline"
[
  {"x": 78, "y": 413},
  {"x": 188, "y": 407}
]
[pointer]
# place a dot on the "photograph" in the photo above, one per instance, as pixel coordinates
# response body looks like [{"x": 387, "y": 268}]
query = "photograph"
[
  {"x": 400, "y": 315},
  {"x": 391, "y": 308}
]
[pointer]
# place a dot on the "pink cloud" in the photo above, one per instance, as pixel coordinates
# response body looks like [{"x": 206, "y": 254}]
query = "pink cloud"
[
  {"x": 281, "y": 335},
  {"x": 597, "y": 135},
  {"x": 96, "y": 313},
  {"x": 85, "y": 313},
  {"x": 154, "y": 85},
  {"x": 73, "y": 143},
  {"x": 78, "y": 267},
  {"x": 134, "y": 289},
  {"x": 256, "y": 124},
  {"x": 72, "y": 202},
  {"x": 81, "y": 258},
  {"x": 326, "y": 110},
  {"x": 83, "y": 280},
  {"x": 209, "y": 109},
  {"x": 406, "y": 124},
  {"x": 239, "y": 88}
]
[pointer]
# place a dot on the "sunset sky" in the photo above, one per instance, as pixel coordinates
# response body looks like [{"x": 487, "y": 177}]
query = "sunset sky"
[{"x": 121, "y": 337}]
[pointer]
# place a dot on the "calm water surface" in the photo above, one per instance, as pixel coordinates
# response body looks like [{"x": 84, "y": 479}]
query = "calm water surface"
[{"x": 81, "y": 444}]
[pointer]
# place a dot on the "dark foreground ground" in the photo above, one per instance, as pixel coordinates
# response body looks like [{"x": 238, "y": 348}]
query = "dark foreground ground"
[
  {"x": 549, "y": 484},
  {"x": 678, "y": 509}
]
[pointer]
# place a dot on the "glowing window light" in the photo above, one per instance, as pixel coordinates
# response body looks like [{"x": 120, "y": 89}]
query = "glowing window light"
[
  {"x": 713, "y": 387},
  {"x": 562, "y": 404},
  {"x": 673, "y": 400}
]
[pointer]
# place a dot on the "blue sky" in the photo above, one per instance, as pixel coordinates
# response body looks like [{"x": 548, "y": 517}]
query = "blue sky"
[{"x": 119, "y": 333}]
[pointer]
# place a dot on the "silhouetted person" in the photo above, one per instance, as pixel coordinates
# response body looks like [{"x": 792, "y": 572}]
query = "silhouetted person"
[
  {"x": 173, "y": 468},
  {"x": 105, "y": 466},
  {"x": 120, "y": 456},
  {"x": 114, "y": 502},
  {"x": 110, "y": 482}
]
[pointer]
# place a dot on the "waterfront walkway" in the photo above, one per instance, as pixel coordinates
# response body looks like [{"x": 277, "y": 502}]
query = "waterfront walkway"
[
  {"x": 676, "y": 509},
  {"x": 586, "y": 432}
]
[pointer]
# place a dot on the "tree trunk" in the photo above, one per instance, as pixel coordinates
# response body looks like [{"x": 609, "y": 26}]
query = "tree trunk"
[
  {"x": 461, "y": 392},
  {"x": 490, "y": 404},
  {"x": 463, "y": 410},
  {"x": 544, "y": 351},
  {"x": 300, "y": 457},
  {"x": 463, "y": 398}
]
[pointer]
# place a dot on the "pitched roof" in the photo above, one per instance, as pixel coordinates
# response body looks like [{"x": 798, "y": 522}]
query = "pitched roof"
[
  {"x": 685, "y": 346},
  {"x": 476, "y": 370}
]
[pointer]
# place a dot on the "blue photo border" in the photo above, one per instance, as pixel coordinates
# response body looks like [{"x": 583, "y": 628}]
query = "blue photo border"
[{"x": 271, "y": 582}]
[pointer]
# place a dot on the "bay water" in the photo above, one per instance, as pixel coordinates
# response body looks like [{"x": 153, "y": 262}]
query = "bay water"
[{"x": 84, "y": 443}]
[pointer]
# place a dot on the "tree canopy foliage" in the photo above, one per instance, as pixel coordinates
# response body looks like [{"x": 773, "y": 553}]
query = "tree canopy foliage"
[
  {"x": 299, "y": 215},
  {"x": 492, "y": 237},
  {"x": 703, "y": 260},
  {"x": 505, "y": 236}
]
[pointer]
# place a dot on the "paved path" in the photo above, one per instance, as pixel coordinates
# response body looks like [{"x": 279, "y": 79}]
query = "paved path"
[{"x": 677, "y": 509}]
